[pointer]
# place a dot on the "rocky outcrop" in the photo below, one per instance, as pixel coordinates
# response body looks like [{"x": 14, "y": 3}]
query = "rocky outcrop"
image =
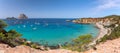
[
  {"x": 22, "y": 16},
  {"x": 91, "y": 20},
  {"x": 10, "y": 18}
]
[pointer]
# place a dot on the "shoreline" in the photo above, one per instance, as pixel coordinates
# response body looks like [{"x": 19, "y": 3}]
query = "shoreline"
[{"x": 102, "y": 31}]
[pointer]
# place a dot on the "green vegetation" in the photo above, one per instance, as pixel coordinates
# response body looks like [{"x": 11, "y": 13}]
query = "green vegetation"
[
  {"x": 112, "y": 16},
  {"x": 2, "y": 24},
  {"x": 115, "y": 33},
  {"x": 79, "y": 44},
  {"x": 13, "y": 38},
  {"x": 115, "y": 19}
]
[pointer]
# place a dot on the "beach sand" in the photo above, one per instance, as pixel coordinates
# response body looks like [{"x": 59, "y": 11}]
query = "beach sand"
[{"x": 102, "y": 31}]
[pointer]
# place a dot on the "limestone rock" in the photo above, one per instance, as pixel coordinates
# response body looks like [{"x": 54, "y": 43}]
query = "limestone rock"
[
  {"x": 22, "y": 16},
  {"x": 11, "y": 18}
]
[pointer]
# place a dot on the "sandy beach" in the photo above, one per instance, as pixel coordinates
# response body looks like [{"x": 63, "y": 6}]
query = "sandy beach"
[
  {"x": 102, "y": 31},
  {"x": 110, "y": 46}
]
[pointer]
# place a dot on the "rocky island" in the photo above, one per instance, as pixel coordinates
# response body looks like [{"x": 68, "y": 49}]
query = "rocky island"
[
  {"x": 11, "y": 18},
  {"x": 22, "y": 16}
]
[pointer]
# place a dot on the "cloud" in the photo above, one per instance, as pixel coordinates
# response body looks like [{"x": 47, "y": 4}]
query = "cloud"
[{"x": 107, "y": 4}]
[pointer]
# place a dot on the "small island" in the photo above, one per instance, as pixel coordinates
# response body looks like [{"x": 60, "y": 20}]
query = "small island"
[
  {"x": 11, "y": 18},
  {"x": 22, "y": 16}
]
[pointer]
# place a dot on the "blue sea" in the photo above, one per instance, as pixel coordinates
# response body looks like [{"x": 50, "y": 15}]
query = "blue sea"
[{"x": 51, "y": 31}]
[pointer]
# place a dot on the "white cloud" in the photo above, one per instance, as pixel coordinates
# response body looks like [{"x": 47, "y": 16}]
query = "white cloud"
[{"x": 107, "y": 4}]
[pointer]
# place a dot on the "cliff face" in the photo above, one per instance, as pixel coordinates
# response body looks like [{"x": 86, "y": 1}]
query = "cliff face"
[
  {"x": 22, "y": 16},
  {"x": 91, "y": 20}
]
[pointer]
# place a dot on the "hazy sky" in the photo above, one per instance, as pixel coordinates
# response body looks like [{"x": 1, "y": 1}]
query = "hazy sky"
[{"x": 59, "y": 8}]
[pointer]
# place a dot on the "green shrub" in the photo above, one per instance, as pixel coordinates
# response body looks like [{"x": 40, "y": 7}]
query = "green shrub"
[
  {"x": 80, "y": 43},
  {"x": 114, "y": 34},
  {"x": 13, "y": 38},
  {"x": 3, "y": 24}
]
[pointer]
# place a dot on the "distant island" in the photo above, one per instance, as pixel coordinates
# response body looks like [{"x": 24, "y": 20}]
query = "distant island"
[
  {"x": 21, "y": 16},
  {"x": 11, "y": 18}
]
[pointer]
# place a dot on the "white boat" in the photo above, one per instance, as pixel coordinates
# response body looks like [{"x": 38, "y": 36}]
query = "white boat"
[
  {"x": 24, "y": 26},
  {"x": 34, "y": 28}
]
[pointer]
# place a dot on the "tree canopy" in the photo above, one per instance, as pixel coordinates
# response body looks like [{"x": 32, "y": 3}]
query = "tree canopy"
[
  {"x": 3, "y": 24},
  {"x": 80, "y": 43}
]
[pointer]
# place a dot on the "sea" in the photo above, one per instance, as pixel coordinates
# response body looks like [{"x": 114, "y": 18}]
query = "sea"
[{"x": 50, "y": 31}]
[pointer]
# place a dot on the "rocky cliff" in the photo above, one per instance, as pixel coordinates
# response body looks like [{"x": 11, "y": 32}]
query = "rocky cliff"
[
  {"x": 22, "y": 16},
  {"x": 91, "y": 20}
]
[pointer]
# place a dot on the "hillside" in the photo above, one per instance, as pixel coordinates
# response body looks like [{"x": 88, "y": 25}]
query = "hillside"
[
  {"x": 110, "y": 46},
  {"x": 26, "y": 49}
]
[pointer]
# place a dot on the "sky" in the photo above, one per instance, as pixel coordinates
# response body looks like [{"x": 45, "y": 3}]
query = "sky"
[{"x": 59, "y": 8}]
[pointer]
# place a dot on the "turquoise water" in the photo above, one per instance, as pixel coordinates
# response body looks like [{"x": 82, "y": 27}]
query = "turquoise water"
[{"x": 50, "y": 31}]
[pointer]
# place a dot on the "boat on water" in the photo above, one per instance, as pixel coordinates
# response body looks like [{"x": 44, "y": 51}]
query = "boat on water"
[{"x": 68, "y": 20}]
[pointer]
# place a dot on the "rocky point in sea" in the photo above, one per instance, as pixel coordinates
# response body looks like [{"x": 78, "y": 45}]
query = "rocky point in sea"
[{"x": 22, "y": 16}]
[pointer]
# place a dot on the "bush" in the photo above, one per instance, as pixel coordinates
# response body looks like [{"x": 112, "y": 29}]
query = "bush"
[
  {"x": 12, "y": 37},
  {"x": 3, "y": 24},
  {"x": 114, "y": 34},
  {"x": 80, "y": 43}
]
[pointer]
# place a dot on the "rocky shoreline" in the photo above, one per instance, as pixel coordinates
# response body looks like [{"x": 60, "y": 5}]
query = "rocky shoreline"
[
  {"x": 99, "y": 23},
  {"x": 102, "y": 31}
]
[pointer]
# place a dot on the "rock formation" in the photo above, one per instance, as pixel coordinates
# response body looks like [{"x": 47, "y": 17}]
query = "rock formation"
[
  {"x": 91, "y": 20},
  {"x": 11, "y": 18},
  {"x": 22, "y": 16}
]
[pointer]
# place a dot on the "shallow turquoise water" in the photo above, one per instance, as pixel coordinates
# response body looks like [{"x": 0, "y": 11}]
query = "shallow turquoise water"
[{"x": 51, "y": 31}]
